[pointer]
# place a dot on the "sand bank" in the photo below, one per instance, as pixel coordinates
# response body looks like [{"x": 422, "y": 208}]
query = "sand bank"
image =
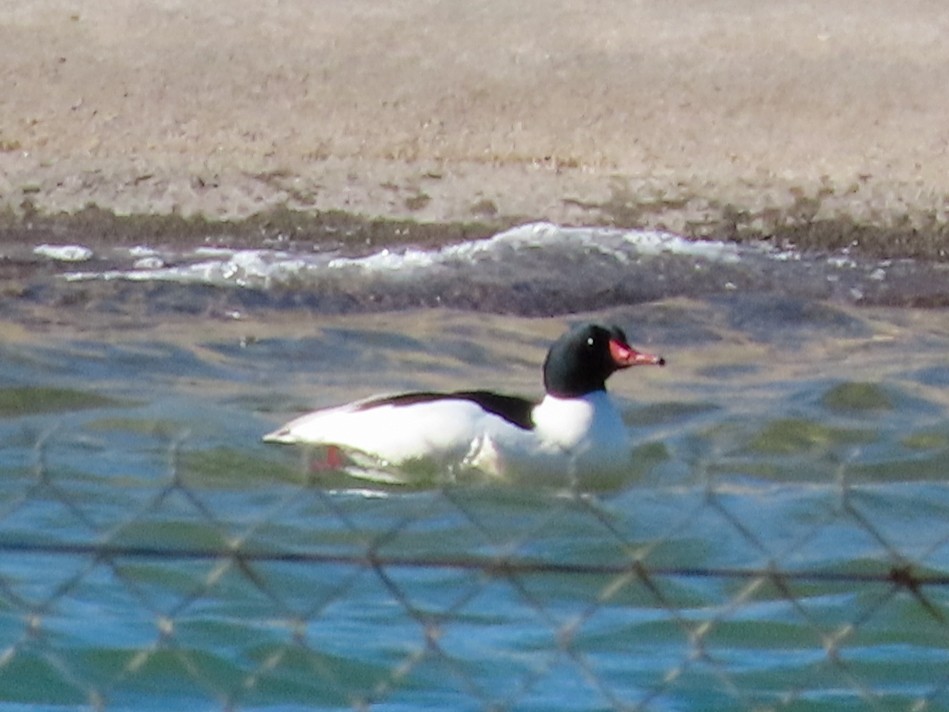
[{"x": 814, "y": 121}]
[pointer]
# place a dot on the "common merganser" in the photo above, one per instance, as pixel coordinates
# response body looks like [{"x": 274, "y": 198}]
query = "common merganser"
[{"x": 575, "y": 431}]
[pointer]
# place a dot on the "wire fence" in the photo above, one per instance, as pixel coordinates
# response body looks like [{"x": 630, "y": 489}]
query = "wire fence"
[{"x": 170, "y": 593}]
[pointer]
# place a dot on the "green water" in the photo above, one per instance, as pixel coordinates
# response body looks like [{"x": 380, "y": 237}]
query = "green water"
[{"x": 781, "y": 542}]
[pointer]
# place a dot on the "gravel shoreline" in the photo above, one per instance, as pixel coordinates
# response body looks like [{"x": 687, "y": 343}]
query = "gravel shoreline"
[{"x": 817, "y": 126}]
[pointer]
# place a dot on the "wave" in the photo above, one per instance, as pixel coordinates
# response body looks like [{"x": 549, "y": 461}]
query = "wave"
[{"x": 537, "y": 268}]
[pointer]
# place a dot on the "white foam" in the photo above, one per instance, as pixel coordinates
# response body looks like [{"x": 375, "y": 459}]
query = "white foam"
[
  {"x": 615, "y": 243},
  {"x": 261, "y": 268},
  {"x": 243, "y": 268},
  {"x": 142, "y": 251},
  {"x": 152, "y": 262},
  {"x": 385, "y": 261},
  {"x": 63, "y": 253},
  {"x": 655, "y": 243}
]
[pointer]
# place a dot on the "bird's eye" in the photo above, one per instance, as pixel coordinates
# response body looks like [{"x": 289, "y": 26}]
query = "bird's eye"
[{"x": 590, "y": 341}]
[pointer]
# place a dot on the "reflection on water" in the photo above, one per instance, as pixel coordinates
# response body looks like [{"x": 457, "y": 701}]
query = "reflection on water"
[{"x": 784, "y": 435}]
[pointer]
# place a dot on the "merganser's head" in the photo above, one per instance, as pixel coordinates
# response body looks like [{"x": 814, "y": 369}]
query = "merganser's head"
[{"x": 580, "y": 361}]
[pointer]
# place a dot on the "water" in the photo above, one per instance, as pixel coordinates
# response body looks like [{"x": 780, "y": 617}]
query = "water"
[
  {"x": 781, "y": 541},
  {"x": 537, "y": 269}
]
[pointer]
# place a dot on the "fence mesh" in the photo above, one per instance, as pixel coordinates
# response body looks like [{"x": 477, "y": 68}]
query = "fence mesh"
[{"x": 170, "y": 591}]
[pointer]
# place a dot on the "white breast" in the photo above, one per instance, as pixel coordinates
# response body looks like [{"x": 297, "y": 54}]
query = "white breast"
[{"x": 573, "y": 437}]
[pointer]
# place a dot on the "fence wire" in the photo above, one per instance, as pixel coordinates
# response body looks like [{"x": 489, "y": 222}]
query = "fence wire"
[{"x": 183, "y": 595}]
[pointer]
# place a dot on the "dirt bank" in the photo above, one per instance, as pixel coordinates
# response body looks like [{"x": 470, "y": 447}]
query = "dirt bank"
[{"x": 819, "y": 123}]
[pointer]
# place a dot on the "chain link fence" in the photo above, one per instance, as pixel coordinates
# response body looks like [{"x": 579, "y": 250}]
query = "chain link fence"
[{"x": 168, "y": 589}]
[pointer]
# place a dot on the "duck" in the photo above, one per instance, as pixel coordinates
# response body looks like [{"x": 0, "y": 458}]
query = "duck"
[{"x": 575, "y": 430}]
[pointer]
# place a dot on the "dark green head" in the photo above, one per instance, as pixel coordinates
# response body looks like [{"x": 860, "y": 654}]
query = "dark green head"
[{"x": 580, "y": 361}]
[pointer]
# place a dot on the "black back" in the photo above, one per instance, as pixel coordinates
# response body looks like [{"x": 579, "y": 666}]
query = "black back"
[
  {"x": 579, "y": 362},
  {"x": 513, "y": 409}
]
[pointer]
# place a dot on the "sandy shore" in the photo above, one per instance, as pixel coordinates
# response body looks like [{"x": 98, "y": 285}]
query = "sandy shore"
[{"x": 816, "y": 121}]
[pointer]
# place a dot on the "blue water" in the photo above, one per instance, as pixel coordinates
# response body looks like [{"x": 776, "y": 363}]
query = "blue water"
[{"x": 782, "y": 541}]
